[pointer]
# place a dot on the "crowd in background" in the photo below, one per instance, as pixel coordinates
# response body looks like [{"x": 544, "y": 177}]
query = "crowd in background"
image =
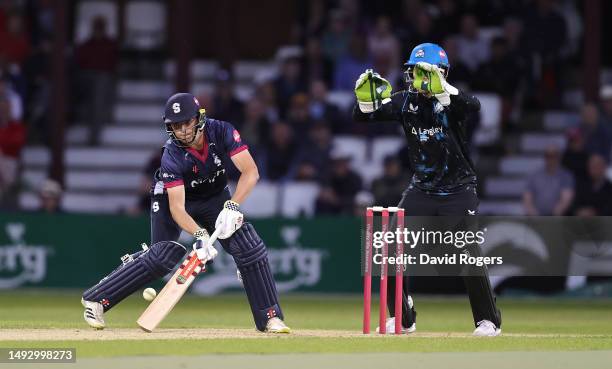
[
  {"x": 574, "y": 181},
  {"x": 523, "y": 51},
  {"x": 26, "y": 32}
]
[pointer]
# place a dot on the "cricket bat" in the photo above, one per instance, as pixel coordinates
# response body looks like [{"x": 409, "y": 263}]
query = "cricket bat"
[{"x": 172, "y": 292}]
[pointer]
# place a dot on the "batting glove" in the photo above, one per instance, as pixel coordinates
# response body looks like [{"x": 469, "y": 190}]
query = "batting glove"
[
  {"x": 229, "y": 220},
  {"x": 428, "y": 78},
  {"x": 372, "y": 91},
  {"x": 204, "y": 251}
]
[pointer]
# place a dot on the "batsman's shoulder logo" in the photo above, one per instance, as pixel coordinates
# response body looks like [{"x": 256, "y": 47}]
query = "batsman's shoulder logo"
[{"x": 216, "y": 159}]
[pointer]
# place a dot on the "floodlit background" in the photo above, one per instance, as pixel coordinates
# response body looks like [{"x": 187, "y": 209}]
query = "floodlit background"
[{"x": 84, "y": 83}]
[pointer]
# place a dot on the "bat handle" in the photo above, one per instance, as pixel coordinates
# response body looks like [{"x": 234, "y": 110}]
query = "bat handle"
[{"x": 213, "y": 237}]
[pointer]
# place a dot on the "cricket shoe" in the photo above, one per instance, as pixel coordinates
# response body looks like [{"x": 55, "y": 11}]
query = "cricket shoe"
[
  {"x": 390, "y": 322},
  {"x": 94, "y": 314},
  {"x": 390, "y": 327},
  {"x": 486, "y": 328},
  {"x": 276, "y": 325}
]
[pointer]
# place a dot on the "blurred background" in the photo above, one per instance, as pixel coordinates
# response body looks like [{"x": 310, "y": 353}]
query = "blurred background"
[{"x": 83, "y": 86}]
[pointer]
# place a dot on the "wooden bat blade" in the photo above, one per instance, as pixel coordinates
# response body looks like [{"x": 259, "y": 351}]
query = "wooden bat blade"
[{"x": 172, "y": 292}]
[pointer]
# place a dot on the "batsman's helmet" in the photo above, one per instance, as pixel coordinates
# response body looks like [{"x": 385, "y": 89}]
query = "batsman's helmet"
[
  {"x": 181, "y": 107},
  {"x": 428, "y": 53}
]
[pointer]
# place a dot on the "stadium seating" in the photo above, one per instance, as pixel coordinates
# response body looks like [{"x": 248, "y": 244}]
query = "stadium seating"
[
  {"x": 298, "y": 199},
  {"x": 145, "y": 24}
]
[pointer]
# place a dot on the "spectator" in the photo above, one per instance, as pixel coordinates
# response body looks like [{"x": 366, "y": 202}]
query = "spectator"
[
  {"x": 266, "y": 92},
  {"x": 312, "y": 161},
  {"x": 320, "y": 109},
  {"x": 363, "y": 199},
  {"x": 97, "y": 60},
  {"x": 352, "y": 13},
  {"x": 500, "y": 75},
  {"x": 336, "y": 38},
  {"x": 255, "y": 128},
  {"x": 288, "y": 83},
  {"x": 549, "y": 192},
  {"x": 12, "y": 139},
  {"x": 594, "y": 194},
  {"x": 598, "y": 135},
  {"x": 545, "y": 31},
  {"x": 350, "y": 66},
  {"x": 384, "y": 48},
  {"x": 388, "y": 189},
  {"x": 606, "y": 120},
  {"x": 315, "y": 64},
  {"x": 315, "y": 23},
  {"x": 15, "y": 101},
  {"x": 447, "y": 21},
  {"x": 512, "y": 33},
  {"x": 37, "y": 69},
  {"x": 473, "y": 49},
  {"x": 50, "y": 195},
  {"x": 338, "y": 194},
  {"x": 461, "y": 75},
  {"x": 226, "y": 106},
  {"x": 545, "y": 34},
  {"x": 280, "y": 151},
  {"x": 299, "y": 115},
  {"x": 575, "y": 156},
  {"x": 416, "y": 29},
  {"x": 606, "y": 106},
  {"x": 327, "y": 202},
  {"x": 14, "y": 41}
]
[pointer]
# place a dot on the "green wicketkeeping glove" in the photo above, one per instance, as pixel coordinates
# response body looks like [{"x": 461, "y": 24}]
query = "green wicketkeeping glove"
[
  {"x": 428, "y": 78},
  {"x": 372, "y": 91}
]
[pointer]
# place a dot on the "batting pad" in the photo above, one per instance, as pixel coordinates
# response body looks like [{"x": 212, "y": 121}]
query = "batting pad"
[
  {"x": 148, "y": 266},
  {"x": 251, "y": 258}
]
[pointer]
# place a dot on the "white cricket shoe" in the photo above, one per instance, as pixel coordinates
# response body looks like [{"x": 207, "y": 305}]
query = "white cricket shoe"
[
  {"x": 390, "y": 323},
  {"x": 390, "y": 327},
  {"x": 94, "y": 314},
  {"x": 276, "y": 325},
  {"x": 486, "y": 328}
]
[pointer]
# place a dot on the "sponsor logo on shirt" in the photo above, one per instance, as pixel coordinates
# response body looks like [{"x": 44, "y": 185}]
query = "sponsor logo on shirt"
[
  {"x": 208, "y": 180},
  {"x": 426, "y": 133},
  {"x": 413, "y": 109},
  {"x": 236, "y": 136}
]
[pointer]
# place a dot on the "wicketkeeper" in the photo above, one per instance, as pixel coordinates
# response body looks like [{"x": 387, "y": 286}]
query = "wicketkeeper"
[
  {"x": 433, "y": 115},
  {"x": 190, "y": 193}
]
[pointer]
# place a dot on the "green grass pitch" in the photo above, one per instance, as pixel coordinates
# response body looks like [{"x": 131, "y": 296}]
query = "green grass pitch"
[{"x": 444, "y": 325}]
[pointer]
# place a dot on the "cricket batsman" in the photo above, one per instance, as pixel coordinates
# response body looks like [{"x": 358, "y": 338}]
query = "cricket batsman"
[
  {"x": 190, "y": 193},
  {"x": 433, "y": 115}
]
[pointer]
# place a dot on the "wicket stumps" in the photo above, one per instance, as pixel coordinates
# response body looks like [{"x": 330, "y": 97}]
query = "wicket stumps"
[{"x": 367, "y": 275}]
